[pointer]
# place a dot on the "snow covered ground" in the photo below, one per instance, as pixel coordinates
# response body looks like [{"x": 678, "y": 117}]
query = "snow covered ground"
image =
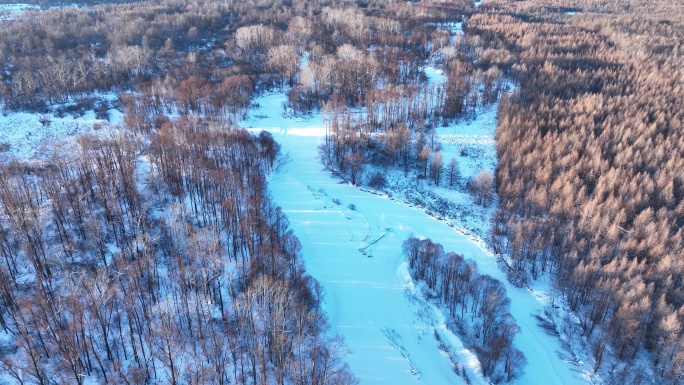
[
  {"x": 30, "y": 135},
  {"x": 352, "y": 245},
  {"x": 10, "y": 11},
  {"x": 471, "y": 143}
]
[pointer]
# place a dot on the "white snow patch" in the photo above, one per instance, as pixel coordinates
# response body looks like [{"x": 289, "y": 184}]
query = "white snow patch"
[
  {"x": 28, "y": 135},
  {"x": 10, "y": 11},
  {"x": 434, "y": 75}
]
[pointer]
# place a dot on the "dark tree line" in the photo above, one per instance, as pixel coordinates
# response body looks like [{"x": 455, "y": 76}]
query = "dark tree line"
[
  {"x": 478, "y": 306},
  {"x": 167, "y": 264}
]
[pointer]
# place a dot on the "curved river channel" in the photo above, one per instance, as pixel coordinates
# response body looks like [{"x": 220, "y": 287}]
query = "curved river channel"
[{"x": 351, "y": 243}]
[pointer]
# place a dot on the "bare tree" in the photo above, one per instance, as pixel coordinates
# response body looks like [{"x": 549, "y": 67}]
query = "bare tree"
[
  {"x": 453, "y": 171},
  {"x": 482, "y": 187},
  {"x": 436, "y": 167},
  {"x": 354, "y": 162}
]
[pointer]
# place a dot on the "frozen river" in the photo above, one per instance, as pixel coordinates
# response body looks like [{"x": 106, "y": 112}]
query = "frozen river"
[{"x": 352, "y": 241}]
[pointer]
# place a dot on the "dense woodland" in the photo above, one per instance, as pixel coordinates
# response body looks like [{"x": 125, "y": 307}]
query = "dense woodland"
[
  {"x": 590, "y": 170},
  {"x": 133, "y": 268},
  {"x": 143, "y": 257}
]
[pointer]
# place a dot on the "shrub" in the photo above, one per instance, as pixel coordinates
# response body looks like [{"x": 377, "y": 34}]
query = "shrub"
[{"x": 377, "y": 181}]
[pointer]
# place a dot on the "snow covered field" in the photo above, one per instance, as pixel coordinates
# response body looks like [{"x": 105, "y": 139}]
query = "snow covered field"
[
  {"x": 29, "y": 135},
  {"x": 352, "y": 245}
]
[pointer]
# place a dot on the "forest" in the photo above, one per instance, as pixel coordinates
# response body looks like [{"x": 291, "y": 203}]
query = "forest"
[
  {"x": 158, "y": 256},
  {"x": 133, "y": 268},
  {"x": 590, "y": 171}
]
